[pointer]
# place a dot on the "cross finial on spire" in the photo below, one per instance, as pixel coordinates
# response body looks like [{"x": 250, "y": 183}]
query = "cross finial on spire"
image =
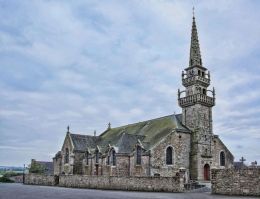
[
  {"x": 193, "y": 11},
  {"x": 68, "y": 128}
]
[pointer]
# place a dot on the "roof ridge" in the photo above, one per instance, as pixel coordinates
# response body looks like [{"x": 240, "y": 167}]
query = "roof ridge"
[
  {"x": 82, "y": 135},
  {"x": 144, "y": 121}
]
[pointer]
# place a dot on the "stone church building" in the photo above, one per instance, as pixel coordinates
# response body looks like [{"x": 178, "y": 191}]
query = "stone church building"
[{"x": 157, "y": 147}]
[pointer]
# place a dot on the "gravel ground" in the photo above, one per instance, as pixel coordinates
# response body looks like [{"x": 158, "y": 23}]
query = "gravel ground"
[{"x": 20, "y": 191}]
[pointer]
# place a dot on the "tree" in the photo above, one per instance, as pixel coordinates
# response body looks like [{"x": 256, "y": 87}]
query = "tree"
[{"x": 36, "y": 168}]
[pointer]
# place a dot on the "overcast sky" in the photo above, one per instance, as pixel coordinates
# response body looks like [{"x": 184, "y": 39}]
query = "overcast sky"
[{"x": 86, "y": 63}]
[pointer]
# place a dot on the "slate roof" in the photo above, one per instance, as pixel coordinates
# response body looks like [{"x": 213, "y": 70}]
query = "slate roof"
[
  {"x": 80, "y": 142},
  {"x": 48, "y": 167},
  {"x": 124, "y": 138}
]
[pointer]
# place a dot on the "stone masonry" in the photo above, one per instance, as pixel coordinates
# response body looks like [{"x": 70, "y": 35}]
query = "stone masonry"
[
  {"x": 236, "y": 182},
  {"x": 167, "y": 184}
]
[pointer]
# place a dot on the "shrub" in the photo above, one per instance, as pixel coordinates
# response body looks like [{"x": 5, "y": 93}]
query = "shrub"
[
  {"x": 6, "y": 180},
  {"x": 36, "y": 168}
]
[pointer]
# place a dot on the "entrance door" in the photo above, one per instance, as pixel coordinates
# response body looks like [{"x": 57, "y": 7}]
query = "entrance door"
[
  {"x": 56, "y": 180},
  {"x": 206, "y": 172}
]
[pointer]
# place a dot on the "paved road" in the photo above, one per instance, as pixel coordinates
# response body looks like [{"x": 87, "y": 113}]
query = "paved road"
[{"x": 20, "y": 191}]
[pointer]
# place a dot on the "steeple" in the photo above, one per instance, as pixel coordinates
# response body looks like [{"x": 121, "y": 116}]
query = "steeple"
[{"x": 195, "y": 56}]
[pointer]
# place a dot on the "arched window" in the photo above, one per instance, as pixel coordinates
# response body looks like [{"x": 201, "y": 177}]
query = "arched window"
[
  {"x": 138, "y": 155},
  {"x": 169, "y": 153},
  {"x": 86, "y": 157},
  {"x": 97, "y": 156},
  {"x": 113, "y": 157},
  {"x": 66, "y": 155},
  {"x": 199, "y": 72},
  {"x": 222, "y": 158},
  {"x": 204, "y": 91}
]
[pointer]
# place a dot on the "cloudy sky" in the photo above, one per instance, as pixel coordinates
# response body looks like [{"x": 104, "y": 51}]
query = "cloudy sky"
[{"x": 86, "y": 63}]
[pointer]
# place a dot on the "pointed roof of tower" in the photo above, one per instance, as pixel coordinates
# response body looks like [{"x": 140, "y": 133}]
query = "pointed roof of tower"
[{"x": 195, "y": 56}]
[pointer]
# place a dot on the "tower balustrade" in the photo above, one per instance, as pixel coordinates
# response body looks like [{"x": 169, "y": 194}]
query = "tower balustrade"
[{"x": 196, "y": 98}]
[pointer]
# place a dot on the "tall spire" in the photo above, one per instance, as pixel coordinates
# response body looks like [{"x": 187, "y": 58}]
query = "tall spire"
[{"x": 195, "y": 57}]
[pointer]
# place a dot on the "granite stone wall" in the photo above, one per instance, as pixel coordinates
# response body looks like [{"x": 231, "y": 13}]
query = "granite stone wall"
[
  {"x": 236, "y": 182},
  {"x": 167, "y": 184},
  {"x": 180, "y": 143},
  {"x": 39, "y": 179}
]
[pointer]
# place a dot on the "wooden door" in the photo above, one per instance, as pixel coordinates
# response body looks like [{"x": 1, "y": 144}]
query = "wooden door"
[{"x": 206, "y": 172}]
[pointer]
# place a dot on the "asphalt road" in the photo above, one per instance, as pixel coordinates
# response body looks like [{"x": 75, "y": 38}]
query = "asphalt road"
[{"x": 20, "y": 191}]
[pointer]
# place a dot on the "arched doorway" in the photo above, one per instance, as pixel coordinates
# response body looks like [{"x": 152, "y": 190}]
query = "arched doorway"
[{"x": 206, "y": 172}]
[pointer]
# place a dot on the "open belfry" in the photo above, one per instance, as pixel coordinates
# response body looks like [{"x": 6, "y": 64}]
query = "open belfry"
[{"x": 158, "y": 147}]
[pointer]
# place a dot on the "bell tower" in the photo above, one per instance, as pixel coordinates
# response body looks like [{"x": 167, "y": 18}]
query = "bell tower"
[{"x": 196, "y": 101}]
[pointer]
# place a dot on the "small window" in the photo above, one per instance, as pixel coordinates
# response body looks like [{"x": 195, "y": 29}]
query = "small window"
[
  {"x": 66, "y": 155},
  {"x": 138, "y": 155},
  {"x": 222, "y": 158},
  {"x": 203, "y": 74},
  {"x": 113, "y": 158},
  {"x": 204, "y": 91},
  {"x": 86, "y": 157},
  {"x": 97, "y": 156},
  {"x": 199, "y": 72},
  {"x": 169, "y": 155}
]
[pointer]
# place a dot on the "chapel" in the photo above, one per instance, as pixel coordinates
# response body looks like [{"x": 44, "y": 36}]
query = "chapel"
[{"x": 160, "y": 146}]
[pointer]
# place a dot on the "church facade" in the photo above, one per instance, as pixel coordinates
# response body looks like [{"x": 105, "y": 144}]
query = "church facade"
[{"x": 156, "y": 147}]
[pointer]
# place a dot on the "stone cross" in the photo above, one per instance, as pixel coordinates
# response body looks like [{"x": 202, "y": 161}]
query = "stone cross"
[
  {"x": 68, "y": 128},
  {"x": 242, "y": 160}
]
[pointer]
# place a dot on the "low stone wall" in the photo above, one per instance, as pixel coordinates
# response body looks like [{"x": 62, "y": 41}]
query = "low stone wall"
[
  {"x": 167, "y": 184},
  {"x": 38, "y": 179},
  {"x": 236, "y": 182}
]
